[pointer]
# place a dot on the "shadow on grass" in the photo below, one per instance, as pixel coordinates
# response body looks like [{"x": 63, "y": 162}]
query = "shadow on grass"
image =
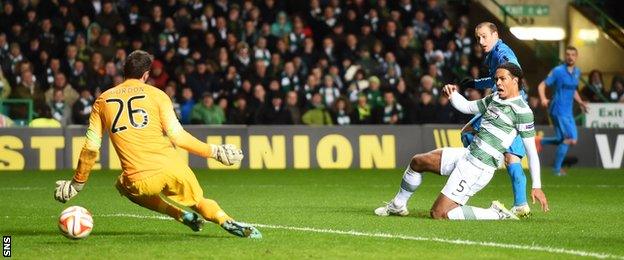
[
  {"x": 181, "y": 235},
  {"x": 368, "y": 211},
  {"x": 23, "y": 232},
  {"x": 109, "y": 233}
]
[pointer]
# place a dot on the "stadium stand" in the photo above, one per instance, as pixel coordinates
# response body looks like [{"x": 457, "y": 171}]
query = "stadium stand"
[{"x": 243, "y": 62}]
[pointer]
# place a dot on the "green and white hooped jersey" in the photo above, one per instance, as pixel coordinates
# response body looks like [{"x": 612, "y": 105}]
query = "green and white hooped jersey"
[{"x": 502, "y": 121}]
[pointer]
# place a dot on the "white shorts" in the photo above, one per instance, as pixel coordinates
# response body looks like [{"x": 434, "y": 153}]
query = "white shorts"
[{"x": 465, "y": 179}]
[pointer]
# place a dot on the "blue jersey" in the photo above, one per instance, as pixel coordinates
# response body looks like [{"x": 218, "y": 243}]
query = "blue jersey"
[
  {"x": 564, "y": 85},
  {"x": 500, "y": 54}
]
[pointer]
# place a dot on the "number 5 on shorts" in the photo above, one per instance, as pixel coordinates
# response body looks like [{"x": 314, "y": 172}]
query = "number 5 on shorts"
[{"x": 461, "y": 186}]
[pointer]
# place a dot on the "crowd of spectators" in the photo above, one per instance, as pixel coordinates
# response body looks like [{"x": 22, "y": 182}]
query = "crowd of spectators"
[{"x": 243, "y": 62}]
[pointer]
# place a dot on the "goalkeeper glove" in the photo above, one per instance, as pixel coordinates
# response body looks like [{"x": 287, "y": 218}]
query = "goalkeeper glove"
[
  {"x": 227, "y": 154},
  {"x": 65, "y": 190}
]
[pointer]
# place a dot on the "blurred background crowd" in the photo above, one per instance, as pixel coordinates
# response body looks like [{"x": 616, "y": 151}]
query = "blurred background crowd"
[{"x": 315, "y": 62}]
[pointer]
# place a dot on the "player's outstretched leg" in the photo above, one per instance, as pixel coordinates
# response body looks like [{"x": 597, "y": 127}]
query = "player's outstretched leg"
[
  {"x": 569, "y": 134},
  {"x": 518, "y": 178},
  {"x": 464, "y": 181},
  {"x": 211, "y": 211},
  {"x": 518, "y": 186},
  {"x": 562, "y": 150},
  {"x": 496, "y": 211},
  {"x": 565, "y": 135},
  {"x": 156, "y": 203},
  {"x": 550, "y": 140},
  {"x": 412, "y": 178},
  {"x": 398, "y": 206}
]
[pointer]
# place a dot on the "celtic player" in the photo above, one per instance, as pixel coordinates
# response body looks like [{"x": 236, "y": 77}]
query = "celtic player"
[
  {"x": 505, "y": 116},
  {"x": 497, "y": 52}
]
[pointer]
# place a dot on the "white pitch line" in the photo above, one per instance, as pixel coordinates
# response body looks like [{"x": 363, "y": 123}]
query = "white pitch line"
[
  {"x": 406, "y": 237},
  {"x": 600, "y": 186},
  {"x": 448, "y": 241}
]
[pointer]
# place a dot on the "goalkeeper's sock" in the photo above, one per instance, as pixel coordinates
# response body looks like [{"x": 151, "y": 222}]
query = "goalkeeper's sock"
[
  {"x": 562, "y": 150},
  {"x": 518, "y": 183},
  {"x": 156, "y": 203},
  {"x": 550, "y": 140},
  {"x": 210, "y": 210},
  {"x": 472, "y": 213},
  {"x": 410, "y": 182}
]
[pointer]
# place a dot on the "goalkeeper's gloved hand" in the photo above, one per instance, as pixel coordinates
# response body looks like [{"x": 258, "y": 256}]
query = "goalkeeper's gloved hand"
[
  {"x": 466, "y": 84},
  {"x": 65, "y": 190},
  {"x": 227, "y": 154}
]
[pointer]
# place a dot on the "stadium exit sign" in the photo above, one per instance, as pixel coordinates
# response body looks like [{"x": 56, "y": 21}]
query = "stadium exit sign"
[{"x": 527, "y": 10}]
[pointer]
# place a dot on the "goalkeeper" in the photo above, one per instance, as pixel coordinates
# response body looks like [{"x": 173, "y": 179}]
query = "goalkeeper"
[{"x": 144, "y": 130}]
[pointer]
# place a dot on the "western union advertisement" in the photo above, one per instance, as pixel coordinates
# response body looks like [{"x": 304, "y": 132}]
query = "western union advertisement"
[{"x": 291, "y": 147}]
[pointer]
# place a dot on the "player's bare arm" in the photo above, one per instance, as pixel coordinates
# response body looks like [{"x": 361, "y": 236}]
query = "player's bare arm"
[
  {"x": 582, "y": 104},
  {"x": 541, "y": 89}
]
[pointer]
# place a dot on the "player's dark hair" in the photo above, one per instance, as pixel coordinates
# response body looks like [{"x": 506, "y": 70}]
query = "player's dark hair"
[
  {"x": 571, "y": 48},
  {"x": 490, "y": 25},
  {"x": 514, "y": 70},
  {"x": 137, "y": 63}
]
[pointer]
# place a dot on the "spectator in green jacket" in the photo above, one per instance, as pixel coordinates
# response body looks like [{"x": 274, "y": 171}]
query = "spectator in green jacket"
[
  {"x": 318, "y": 114},
  {"x": 362, "y": 112},
  {"x": 28, "y": 88},
  {"x": 207, "y": 112},
  {"x": 282, "y": 27},
  {"x": 373, "y": 93}
]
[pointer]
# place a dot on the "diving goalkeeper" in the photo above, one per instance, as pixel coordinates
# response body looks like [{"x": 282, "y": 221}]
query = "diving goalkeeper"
[{"x": 144, "y": 130}]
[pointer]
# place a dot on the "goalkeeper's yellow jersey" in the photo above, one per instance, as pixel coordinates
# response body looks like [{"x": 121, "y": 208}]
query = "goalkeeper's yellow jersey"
[{"x": 143, "y": 128}]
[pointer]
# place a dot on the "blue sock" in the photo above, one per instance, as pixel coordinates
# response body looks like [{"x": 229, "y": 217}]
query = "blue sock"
[
  {"x": 550, "y": 140},
  {"x": 518, "y": 183},
  {"x": 562, "y": 150}
]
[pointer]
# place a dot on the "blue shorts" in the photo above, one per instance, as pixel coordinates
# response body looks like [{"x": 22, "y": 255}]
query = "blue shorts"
[
  {"x": 516, "y": 148},
  {"x": 565, "y": 128}
]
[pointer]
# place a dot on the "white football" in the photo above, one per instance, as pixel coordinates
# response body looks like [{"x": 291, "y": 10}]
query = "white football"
[{"x": 75, "y": 222}]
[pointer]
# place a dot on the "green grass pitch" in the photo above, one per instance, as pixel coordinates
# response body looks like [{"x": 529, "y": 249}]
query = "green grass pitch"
[{"x": 318, "y": 214}]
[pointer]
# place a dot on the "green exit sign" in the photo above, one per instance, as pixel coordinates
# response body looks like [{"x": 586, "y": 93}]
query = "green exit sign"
[{"x": 527, "y": 10}]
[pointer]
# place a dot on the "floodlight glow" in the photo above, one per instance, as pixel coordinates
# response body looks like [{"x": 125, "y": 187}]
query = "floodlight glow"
[
  {"x": 538, "y": 33},
  {"x": 589, "y": 35}
]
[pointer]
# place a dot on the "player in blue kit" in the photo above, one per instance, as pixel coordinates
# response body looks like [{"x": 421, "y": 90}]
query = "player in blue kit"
[
  {"x": 497, "y": 52},
  {"x": 564, "y": 81}
]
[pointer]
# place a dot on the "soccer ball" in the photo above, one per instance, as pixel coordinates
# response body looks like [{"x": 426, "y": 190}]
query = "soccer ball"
[{"x": 75, "y": 222}]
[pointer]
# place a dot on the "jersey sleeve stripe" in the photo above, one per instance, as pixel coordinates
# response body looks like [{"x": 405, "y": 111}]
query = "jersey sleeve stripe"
[
  {"x": 524, "y": 118},
  {"x": 93, "y": 140},
  {"x": 527, "y": 134},
  {"x": 481, "y": 106}
]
